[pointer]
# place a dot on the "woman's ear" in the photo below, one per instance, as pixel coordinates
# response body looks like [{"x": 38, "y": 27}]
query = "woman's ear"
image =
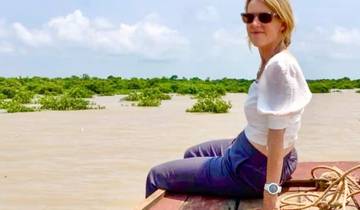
[{"x": 283, "y": 27}]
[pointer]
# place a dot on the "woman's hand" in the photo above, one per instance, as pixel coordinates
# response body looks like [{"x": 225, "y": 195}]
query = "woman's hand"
[
  {"x": 269, "y": 201},
  {"x": 274, "y": 164}
]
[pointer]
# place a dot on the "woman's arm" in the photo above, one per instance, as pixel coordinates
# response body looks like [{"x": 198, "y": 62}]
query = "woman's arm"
[{"x": 274, "y": 164}]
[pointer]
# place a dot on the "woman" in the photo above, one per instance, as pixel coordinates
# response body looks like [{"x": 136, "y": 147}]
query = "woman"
[{"x": 262, "y": 156}]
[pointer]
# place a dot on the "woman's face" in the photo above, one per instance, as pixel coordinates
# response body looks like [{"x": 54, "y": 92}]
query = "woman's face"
[{"x": 263, "y": 35}]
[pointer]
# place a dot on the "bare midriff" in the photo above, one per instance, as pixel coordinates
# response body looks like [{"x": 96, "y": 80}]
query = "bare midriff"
[{"x": 263, "y": 148}]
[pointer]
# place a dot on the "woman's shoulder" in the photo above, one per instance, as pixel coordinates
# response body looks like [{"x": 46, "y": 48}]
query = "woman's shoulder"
[
  {"x": 283, "y": 62},
  {"x": 283, "y": 58}
]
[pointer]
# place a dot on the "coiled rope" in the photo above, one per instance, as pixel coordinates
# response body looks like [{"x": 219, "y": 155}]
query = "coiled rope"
[{"x": 338, "y": 188}]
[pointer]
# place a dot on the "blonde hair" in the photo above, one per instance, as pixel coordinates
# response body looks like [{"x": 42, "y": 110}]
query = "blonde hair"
[{"x": 283, "y": 10}]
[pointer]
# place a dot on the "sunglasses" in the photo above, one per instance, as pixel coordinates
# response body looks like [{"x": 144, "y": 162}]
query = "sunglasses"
[{"x": 263, "y": 17}]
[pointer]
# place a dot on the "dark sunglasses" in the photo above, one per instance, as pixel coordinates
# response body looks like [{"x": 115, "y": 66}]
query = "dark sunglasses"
[{"x": 263, "y": 17}]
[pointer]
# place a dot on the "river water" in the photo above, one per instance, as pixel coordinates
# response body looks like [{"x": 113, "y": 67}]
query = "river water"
[{"x": 98, "y": 159}]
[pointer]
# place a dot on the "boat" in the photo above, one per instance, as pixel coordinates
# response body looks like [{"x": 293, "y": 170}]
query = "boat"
[{"x": 304, "y": 181}]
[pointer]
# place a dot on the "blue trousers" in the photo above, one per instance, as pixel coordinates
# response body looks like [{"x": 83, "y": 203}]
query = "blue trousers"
[{"x": 227, "y": 167}]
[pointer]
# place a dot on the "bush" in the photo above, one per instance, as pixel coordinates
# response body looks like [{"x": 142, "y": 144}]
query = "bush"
[
  {"x": 135, "y": 83},
  {"x": 49, "y": 89},
  {"x": 2, "y": 104},
  {"x": 166, "y": 88},
  {"x": 133, "y": 96},
  {"x": 210, "y": 102},
  {"x": 220, "y": 90},
  {"x": 23, "y": 97},
  {"x": 63, "y": 103},
  {"x": 79, "y": 92},
  {"x": 8, "y": 92},
  {"x": 100, "y": 87},
  {"x": 345, "y": 86},
  {"x": 148, "y": 94},
  {"x": 155, "y": 93},
  {"x": 207, "y": 94},
  {"x": 187, "y": 89},
  {"x": 319, "y": 88},
  {"x": 150, "y": 97},
  {"x": 148, "y": 101},
  {"x": 15, "y": 106},
  {"x": 2, "y": 96}
]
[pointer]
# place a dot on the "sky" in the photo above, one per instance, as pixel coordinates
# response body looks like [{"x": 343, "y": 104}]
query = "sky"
[{"x": 155, "y": 38}]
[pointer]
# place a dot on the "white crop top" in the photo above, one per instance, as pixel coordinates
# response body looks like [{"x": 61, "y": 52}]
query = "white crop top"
[{"x": 277, "y": 100}]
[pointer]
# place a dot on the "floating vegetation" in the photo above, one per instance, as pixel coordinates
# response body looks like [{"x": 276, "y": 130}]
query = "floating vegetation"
[
  {"x": 63, "y": 102},
  {"x": 210, "y": 102},
  {"x": 147, "y": 101},
  {"x": 133, "y": 96},
  {"x": 12, "y": 106},
  {"x": 148, "y": 97}
]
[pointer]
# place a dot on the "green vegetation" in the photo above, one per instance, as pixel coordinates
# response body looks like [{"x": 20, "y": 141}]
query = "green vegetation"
[
  {"x": 325, "y": 85},
  {"x": 63, "y": 102},
  {"x": 148, "y": 97},
  {"x": 17, "y": 94},
  {"x": 2, "y": 96},
  {"x": 147, "y": 101},
  {"x": 319, "y": 87},
  {"x": 210, "y": 102},
  {"x": 133, "y": 96},
  {"x": 79, "y": 92},
  {"x": 23, "y": 97},
  {"x": 12, "y": 106}
]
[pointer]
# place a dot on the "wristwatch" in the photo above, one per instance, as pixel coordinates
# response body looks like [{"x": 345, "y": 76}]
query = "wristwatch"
[{"x": 272, "y": 188}]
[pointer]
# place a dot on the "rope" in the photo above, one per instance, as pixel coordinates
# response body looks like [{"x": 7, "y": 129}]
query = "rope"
[{"x": 338, "y": 188}]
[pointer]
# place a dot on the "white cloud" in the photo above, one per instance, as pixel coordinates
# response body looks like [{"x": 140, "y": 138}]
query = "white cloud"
[
  {"x": 346, "y": 36},
  {"x": 153, "y": 39},
  {"x": 146, "y": 38},
  {"x": 6, "y": 47},
  {"x": 209, "y": 13},
  {"x": 226, "y": 38},
  {"x": 338, "y": 44},
  {"x": 342, "y": 55},
  {"x": 103, "y": 23},
  {"x": 72, "y": 27},
  {"x": 3, "y": 29},
  {"x": 229, "y": 44},
  {"x": 31, "y": 37}
]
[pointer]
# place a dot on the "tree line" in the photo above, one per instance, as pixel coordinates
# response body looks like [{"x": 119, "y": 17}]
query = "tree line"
[{"x": 71, "y": 93}]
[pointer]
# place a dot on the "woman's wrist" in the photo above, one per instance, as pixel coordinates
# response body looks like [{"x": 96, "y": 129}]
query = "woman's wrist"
[{"x": 269, "y": 201}]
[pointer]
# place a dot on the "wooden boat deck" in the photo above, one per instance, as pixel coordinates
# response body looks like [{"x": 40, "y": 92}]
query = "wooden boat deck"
[{"x": 300, "y": 181}]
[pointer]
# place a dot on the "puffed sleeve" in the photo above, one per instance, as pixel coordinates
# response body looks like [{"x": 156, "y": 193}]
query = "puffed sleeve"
[{"x": 282, "y": 94}]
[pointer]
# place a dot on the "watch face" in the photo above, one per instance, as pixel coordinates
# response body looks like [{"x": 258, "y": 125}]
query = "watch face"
[{"x": 273, "y": 188}]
